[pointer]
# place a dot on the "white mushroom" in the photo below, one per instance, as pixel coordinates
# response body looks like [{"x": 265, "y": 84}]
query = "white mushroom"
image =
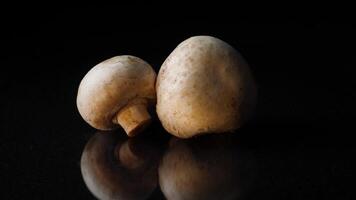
[
  {"x": 117, "y": 91},
  {"x": 204, "y": 86}
]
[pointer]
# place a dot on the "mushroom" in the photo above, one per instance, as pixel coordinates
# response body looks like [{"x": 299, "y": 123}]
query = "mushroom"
[
  {"x": 204, "y": 86},
  {"x": 116, "y": 92},
  {"x": 111, "y": 174},
  {"x": 207, "y": 167}
]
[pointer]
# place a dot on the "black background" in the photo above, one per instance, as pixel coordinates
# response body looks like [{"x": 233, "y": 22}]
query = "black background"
[{"x": 305, "y": 69}]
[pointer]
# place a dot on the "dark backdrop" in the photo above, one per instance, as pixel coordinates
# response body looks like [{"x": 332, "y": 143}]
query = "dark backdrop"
[{"x": 305, "y": 69}]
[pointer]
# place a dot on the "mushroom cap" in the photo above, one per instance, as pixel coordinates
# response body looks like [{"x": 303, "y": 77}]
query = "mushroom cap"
[
  {"x": 204, "y": 86},
  {"x": 111, "y": 85}
]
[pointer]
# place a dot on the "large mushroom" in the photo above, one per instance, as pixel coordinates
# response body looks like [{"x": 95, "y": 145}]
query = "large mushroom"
[
  {"x": 204, "y": 86},
  {"x": 116, "y": 92},
  {"x": 116, "y": 168}
]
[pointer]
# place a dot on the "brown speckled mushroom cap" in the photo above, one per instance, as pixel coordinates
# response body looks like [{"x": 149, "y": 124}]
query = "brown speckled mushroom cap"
[
  {"x": 204, "y": 86},
  {"x": 117, "y": 91}
]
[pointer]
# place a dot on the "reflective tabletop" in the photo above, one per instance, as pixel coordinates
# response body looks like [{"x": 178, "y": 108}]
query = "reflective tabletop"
[{"x": 155, "y": 165}]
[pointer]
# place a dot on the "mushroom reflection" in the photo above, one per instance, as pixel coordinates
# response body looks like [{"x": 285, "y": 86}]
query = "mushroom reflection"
[
  {"x": 115, "y": 167},
  {"x": 206, "y": 167}
]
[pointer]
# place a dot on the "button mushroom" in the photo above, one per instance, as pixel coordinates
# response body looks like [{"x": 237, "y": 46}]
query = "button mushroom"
[
  {"x": 116, "y": 92},
  {"x": 109, "y": 176},
  {"x": 204, "y": 86}
]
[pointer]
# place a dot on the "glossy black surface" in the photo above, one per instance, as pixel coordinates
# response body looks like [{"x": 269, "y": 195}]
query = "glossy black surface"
[
  {"x": 242, "y": 165},
  {"x": 300, "y": 144}
]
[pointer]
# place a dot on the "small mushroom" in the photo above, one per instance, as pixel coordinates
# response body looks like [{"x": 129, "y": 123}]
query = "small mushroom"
[
  {"x": 116, "y": 92},
  {"x": 204, "y": 86},
  {"x": 114, "y": 167}
]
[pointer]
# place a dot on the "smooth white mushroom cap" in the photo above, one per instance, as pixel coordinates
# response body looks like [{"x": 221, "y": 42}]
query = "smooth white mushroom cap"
[
  {"x": 111, "y": 85},
  {"x": 204, "y": 86}
]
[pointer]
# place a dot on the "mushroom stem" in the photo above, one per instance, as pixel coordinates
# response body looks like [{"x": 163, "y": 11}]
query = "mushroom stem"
[{"x": 133, "y": 117}]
